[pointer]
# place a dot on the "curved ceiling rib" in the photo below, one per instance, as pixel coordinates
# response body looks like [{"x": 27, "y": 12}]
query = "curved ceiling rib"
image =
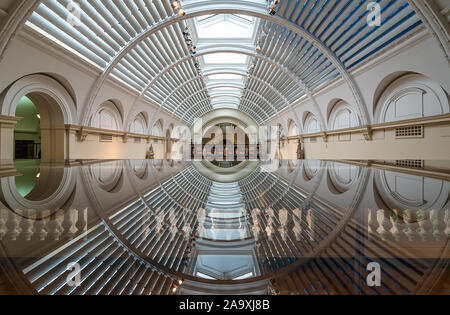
[{"x": 305, "y": 45}]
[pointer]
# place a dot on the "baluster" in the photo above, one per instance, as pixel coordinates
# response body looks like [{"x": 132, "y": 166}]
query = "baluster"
[
  {"x": 269, "y": 228},
  {"x": 54, "y": 227},
  {"x": 385, "y": 224},
  {"x": 398, "y": 223},
  {"x": 3, "y": 218},
  {"x": 27, "y": 225},
  {"x": 373, "y": 223},
  {"x": 40, "y": 226},
  {"x": 409, "y": 230},
  {"x": 297, "y": 224},
  {"x": 283, "y": 216},
  {"x": 81, "y": 223},
  {"x": 437, "y": 221},
  {"x": 67, "y": 223},
  {"x": 447, "y": 222},
  {"x": 424, "y": 224},
  {"x": 13, "y": 226}
]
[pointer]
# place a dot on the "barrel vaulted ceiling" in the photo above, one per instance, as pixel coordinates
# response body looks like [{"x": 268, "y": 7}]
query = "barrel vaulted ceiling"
[{"x": 235, "y": 55}]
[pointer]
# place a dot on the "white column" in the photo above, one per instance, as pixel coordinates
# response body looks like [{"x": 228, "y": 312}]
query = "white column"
[{"x": 7, "y": 124}]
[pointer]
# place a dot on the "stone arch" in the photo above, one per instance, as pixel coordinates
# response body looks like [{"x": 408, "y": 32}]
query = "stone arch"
[
  {"x": 139, "y": 124},
  {"x": 310, "y": 123},
  {"x": 108, "y": 116},
  {"x": 410, "y": 96},
  {"x": 292, "y": 128},
  {"x": 341, "y": 115},
  {"x": 54, "y": 104},
  {"x": 157, "y": 128}
]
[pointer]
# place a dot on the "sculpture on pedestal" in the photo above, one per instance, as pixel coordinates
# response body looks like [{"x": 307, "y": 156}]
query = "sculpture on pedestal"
[
  {"x": 300, "y": 152},
  {"x": 150, "y": 153}
]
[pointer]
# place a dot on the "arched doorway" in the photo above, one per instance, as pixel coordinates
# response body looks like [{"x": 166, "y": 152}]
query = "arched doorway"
[
  {"x": 27, "y": 132},
  {"x": 45, "y": 102}
]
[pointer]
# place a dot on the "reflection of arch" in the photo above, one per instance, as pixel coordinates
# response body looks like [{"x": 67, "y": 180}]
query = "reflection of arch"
[
  {"x": 404, "y": 191},
  {"x": 139, "y": 168},
  {"x": 311, "y": 168},
  {"x": 54, "y": 104},
  {"x": 168, "y": 141},
  {"x": 411, "y": 96},
  {"x": 139, "y": 124},
  {"x": 311, "y": 124},
  {"x": 108, "y": 175},
  {"x": 158, "y": 165},
  {"x": 341, "y": 177},
  {"x": 342, "y": 116},
  {"x": 107, "y": 117},
  {"x": 52, "y": 190}
]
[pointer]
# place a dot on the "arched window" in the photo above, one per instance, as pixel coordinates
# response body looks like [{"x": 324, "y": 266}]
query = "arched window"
[
  {"x": 292, "y": 128},
  {"x": 342, "y": 116},
  {"x": 107, "y": 117},
  {"x": 139, "y": 125},
  {"x": 311, "y": 124},
  {"x": 157, "y": 129},
  {"x": 411, "y": 96}
]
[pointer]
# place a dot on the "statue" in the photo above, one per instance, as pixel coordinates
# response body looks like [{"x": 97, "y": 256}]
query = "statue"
[
  {"x": 300, "y": 153},
  {"x": 150, "y": 153}
]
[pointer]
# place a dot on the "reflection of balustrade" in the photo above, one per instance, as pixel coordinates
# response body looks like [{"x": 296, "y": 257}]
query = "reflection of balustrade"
[
  {"x": 225, "y": 152},
  {"x": 28, "y": 226},
  {"x": 409, "y": 225},
  {"x": 283, "y": 232},
  {"x": 341, "y": 267}
]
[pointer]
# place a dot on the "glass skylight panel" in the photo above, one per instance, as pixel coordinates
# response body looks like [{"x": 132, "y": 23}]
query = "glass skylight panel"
[
  {"x": 225, "y": 58},
  {"x": 224, "y": 26},
  {"x": 224, "y": 76}
]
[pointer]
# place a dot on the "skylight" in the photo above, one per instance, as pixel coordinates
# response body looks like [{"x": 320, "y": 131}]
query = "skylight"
[
  {"x": 225, "y": 58},
  {"x": 225, "y": 26},
  {"x": 225, "y": 76}
]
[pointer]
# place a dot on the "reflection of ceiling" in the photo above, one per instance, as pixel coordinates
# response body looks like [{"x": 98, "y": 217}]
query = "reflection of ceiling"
[
  {"x": 259, "y": 64},
  {"x": 225, "y": 267},
  {"x": 225, "y": 175}
]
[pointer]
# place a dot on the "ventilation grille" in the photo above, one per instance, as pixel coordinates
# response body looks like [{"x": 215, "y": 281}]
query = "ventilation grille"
[
  {"x": 409, "y": 132},
  {"x": 137, "y": 140},
  {"x": 106, "y": 138},
  {"x": 313, "y": 139},
  {"x": 410, "y": 163}
]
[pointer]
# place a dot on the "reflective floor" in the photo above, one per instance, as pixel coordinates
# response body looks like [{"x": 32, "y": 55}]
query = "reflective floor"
[{"x": 172, "y": 227}]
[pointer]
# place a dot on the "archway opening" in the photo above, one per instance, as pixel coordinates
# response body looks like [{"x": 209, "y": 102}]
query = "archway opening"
[
  {"x": 27, "y": 132},
  {"x": 40, "y": 134}
]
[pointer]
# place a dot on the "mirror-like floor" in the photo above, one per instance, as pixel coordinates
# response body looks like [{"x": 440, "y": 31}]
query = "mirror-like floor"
[{"x": 172, "y": 227}]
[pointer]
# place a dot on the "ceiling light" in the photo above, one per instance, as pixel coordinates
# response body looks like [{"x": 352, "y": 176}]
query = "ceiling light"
[
  {"x": 181, "y": 12},
  {"x": 38, "y": 116},
  {"x": 175, "y": 5}
]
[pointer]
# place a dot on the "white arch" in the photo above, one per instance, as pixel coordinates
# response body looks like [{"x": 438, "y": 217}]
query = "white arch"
[
  {"x": 411, "y": 96},
  {"x": 139, "y": 124},
  {"x": 107, "y": 116},
  {"x": 41, "y": 84},
  {"x": 311, "y": 124},
  {"x": 342, "y": 116}
]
